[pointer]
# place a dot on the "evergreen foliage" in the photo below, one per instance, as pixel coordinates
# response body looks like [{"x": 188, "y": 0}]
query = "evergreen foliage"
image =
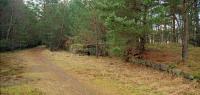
[{"x": 117, "y": 24}]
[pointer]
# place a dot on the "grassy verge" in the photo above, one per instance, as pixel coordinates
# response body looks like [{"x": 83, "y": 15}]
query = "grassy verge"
[
  {"x": 13, "y": 80},
  {"x": 20, "y": 90},
  {"x": 119, "y": 78}
]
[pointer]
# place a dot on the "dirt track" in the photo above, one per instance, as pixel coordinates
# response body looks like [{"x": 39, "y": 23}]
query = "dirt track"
[
  {"x": 61, "y": 73},
  {"x": 54, "y": 80}
]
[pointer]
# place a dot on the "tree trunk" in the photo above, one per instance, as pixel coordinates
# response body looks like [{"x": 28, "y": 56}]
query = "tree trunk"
[
  {"x": 97, "y": 42},
  {"x": 96, "y": 31},
  {"x": 174, "y": 27},
  {"x": 10, "y": 24},
  {"x": 61, "y": 39},
  {"x": 197, "y": 26},
  {"x": 165, "y": 31},
  {"x": 142, "y": 38},
  {"x": 185, "y": 34},
  {"x": 142, "y": 44}
]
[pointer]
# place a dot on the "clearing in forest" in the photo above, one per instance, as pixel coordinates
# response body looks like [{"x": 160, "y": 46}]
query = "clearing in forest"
[{"x": 38, "y": 71}]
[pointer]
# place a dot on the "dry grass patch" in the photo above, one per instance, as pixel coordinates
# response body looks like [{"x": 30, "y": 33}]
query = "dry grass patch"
[
  {"x": 121, "y": 78},
  {"x": 48, "y": 71},
  {"x": 14, "y": 80}
]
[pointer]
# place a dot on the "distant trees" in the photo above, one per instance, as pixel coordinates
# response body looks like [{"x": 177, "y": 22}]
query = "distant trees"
[
  {"x": 54, "y": 23},
  {"x": 134, "y": 21},
  {"x": 117, "y": 24},
  {"x": 195, "y": 23},
  {"x": 16, "y": 22},
  {"x": 31, "y": 24}
]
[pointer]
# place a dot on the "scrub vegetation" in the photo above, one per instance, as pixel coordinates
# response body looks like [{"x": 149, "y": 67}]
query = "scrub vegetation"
[{"x": 99, "y": 47}]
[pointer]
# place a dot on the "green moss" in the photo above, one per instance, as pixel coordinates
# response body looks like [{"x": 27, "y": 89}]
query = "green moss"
[
  {"x": 172, "y": 66},
  {"x": 116, "y": 51},
  {"x": 125, "y": 88},
  {"x": 196, "y": 75},
  {"x": 20, "y": 90}
]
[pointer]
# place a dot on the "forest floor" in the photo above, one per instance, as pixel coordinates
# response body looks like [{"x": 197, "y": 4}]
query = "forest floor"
[
  {"x": 171, "y": 54},
  {"x": 38, "y": 71}
]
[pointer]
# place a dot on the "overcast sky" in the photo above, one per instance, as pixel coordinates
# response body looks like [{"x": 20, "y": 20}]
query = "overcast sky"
[{"x": 35, "y": 0}]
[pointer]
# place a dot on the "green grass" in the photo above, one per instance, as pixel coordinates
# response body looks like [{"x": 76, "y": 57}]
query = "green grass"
[
  {"x": 125, "y": 88},
  {"x": 20, "y": 90}
]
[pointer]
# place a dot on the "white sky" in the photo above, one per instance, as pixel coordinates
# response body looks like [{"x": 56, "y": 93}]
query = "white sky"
[{"x": 36, "y": 1}]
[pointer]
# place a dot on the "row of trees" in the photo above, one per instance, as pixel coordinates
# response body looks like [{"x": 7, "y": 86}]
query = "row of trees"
[
  {"x": 118, "y": 24},
  {"x": 17, "y": 26},
  {"x": 31, "y": 23}
]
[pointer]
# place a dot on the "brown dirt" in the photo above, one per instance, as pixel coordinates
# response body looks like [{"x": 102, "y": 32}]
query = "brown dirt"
[{"x": 161, "y": 56}]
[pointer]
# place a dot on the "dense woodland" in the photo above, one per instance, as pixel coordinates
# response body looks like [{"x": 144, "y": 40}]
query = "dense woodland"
[{"x": 117, "y": 27}]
